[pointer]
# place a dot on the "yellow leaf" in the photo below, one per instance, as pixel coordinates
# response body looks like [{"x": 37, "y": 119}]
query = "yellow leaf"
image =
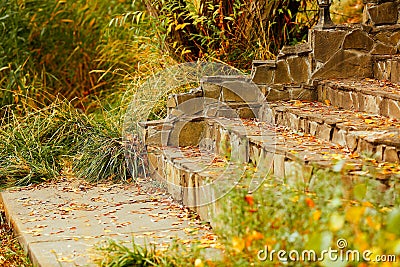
[
  {"x": 198, "y": 263},
  {"x": 353, "y": 214},
  {"x": 238, "y": 244},
  {"x": 316, "y": 215},
  {"x": 327, "y": 102},
  {"x": 368, "y": 121},
  {"x": 367, "y": 204}
]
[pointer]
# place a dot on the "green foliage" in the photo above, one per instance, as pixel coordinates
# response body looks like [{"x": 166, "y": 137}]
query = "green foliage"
[
  {"x": 102, "y": 153},
  {"x": 232, "y": 31},
  {"x": 51, "y": 46},
  {"x": 32, "y": 145},
  {"x": 113, "y": 254},
  {"x": 309, "y": 216}
]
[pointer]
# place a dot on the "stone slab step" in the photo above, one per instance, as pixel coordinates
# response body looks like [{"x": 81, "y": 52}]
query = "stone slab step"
[
  {"x": 357, "y": 131},
  {"x": 368, "y": 95},
  {"x": 281, "y": 150},
  {"x": 199, "y": 175},
  {"x": 61, "y": 223},
  {"x": 194, "y": 176}
]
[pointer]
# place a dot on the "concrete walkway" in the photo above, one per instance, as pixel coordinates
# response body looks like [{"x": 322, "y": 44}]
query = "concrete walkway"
[{"x": 61, "y": 223}]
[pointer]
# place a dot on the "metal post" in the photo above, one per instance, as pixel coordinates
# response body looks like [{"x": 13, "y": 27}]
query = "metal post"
[{"x": 324, "y": 21}]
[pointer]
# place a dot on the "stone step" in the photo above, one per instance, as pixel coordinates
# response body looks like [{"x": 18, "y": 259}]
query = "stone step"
[
  {"x": 199, "y": 175},
  {"x": 194, "y": 176},
  {"x": 356, "y": 131},
  {"x": 387, "y": 68},
  {"x": 367, "y": 95},
  {"x": 259, "y": 143}
]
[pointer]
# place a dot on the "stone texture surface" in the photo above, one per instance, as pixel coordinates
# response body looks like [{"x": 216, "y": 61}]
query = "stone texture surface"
[
  {"x": 359, "y": 40},
  {"x": 59, "y": 224},
  {"x": 379, "y": 97},
  {"x": 356, "y": 131},
  {"x": 326, "y": 43},
  {"x": 346, "y": 64},
  {"x": 281, "y": 74},
  {"x": 299, "y": 68},
  {"x": 380, "y": 14}
]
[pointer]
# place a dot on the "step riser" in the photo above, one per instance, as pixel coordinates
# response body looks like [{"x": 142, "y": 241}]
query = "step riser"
[
  {"x": 340, "y": 134},
  {"x": 194, "y": 190},
  {"x": 354, "y": 99},
  {"x": 387, "y": 69}
]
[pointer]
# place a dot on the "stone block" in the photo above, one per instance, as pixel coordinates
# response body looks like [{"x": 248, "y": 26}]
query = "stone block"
[
  {"x": 279, "y": 166},
  {"x": 303, "y": 123},
  {"x": 391, "y": 108},
  {"x": 338, "y": 99},
  {"x": 351, "y": 141},
  {"x": 298, "y": 49},
  {"x": 223, "y": 146},
  {"x": 395, "y": 70},
  {"x": 365, "y": 146},
  {"x": 187, "y": 133},
  {"x": 383, "y": 49},
  {"x": 240, "y": 91},
  {"x": 313, "y": 126},
  {"x": 293, "y": 121},
  {"x": 240, "y": 148},
  {"x": 390, "y": 154},
  {"x": 322, "y": 93},
  {"x": 346, "y": 64},
  {"x": 354, "y": 100},
  {"x": 299, "y": 68},
  {"x": 275, "y": 93},
  {"x": 382, "y": 69},
  {"x": 302, "y": 92},
  {"x": 211, "y": 90},
  {"x": 190, "y": 105},
  {"x": 324, "y": 131},
  {"x": 380, "y": 14},
  {"x": 361, "y": 101},
  {"x": 254, "y": 154},
  {"x": 263, "y": 74},
  {"x": 372, "y": 104},
  {"x": 297, "y": 174},
  {"x": 247, "y": 113},
  {"x": 339, "y": 136},
  {"x": 326, "y": 43},
  {"x": 347, "y": 100},
  {"x": 380, "y": 149},
  {"x": 358, "y": 40},
  {"x": 189, "y": 191},
  {"x": 282, "y": 75},
  {"x": 388, "y": 37},
  {"x": 171, "y": 102}
]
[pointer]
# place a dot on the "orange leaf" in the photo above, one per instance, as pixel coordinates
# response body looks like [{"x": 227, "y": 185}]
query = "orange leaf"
[
  {"x": 310, "y": 203},
  {"x": 249, "y": 199}
]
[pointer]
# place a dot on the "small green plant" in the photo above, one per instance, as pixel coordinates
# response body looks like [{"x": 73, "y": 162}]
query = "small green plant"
[
  {"x": 33, "y": 145},
  {"x": 112, "y": 254}
]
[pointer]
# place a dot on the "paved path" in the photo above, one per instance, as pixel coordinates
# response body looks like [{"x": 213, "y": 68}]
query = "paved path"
[{"x": 61, "y": 223}]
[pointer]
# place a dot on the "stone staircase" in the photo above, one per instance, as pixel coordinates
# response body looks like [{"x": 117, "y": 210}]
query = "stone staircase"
[{"x": 332, "y": 103}]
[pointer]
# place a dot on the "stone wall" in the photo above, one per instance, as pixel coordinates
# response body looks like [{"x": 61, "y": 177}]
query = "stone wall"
[
  {"x": 367, "y": 50},
  {"x": 380, "y": 12}
]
